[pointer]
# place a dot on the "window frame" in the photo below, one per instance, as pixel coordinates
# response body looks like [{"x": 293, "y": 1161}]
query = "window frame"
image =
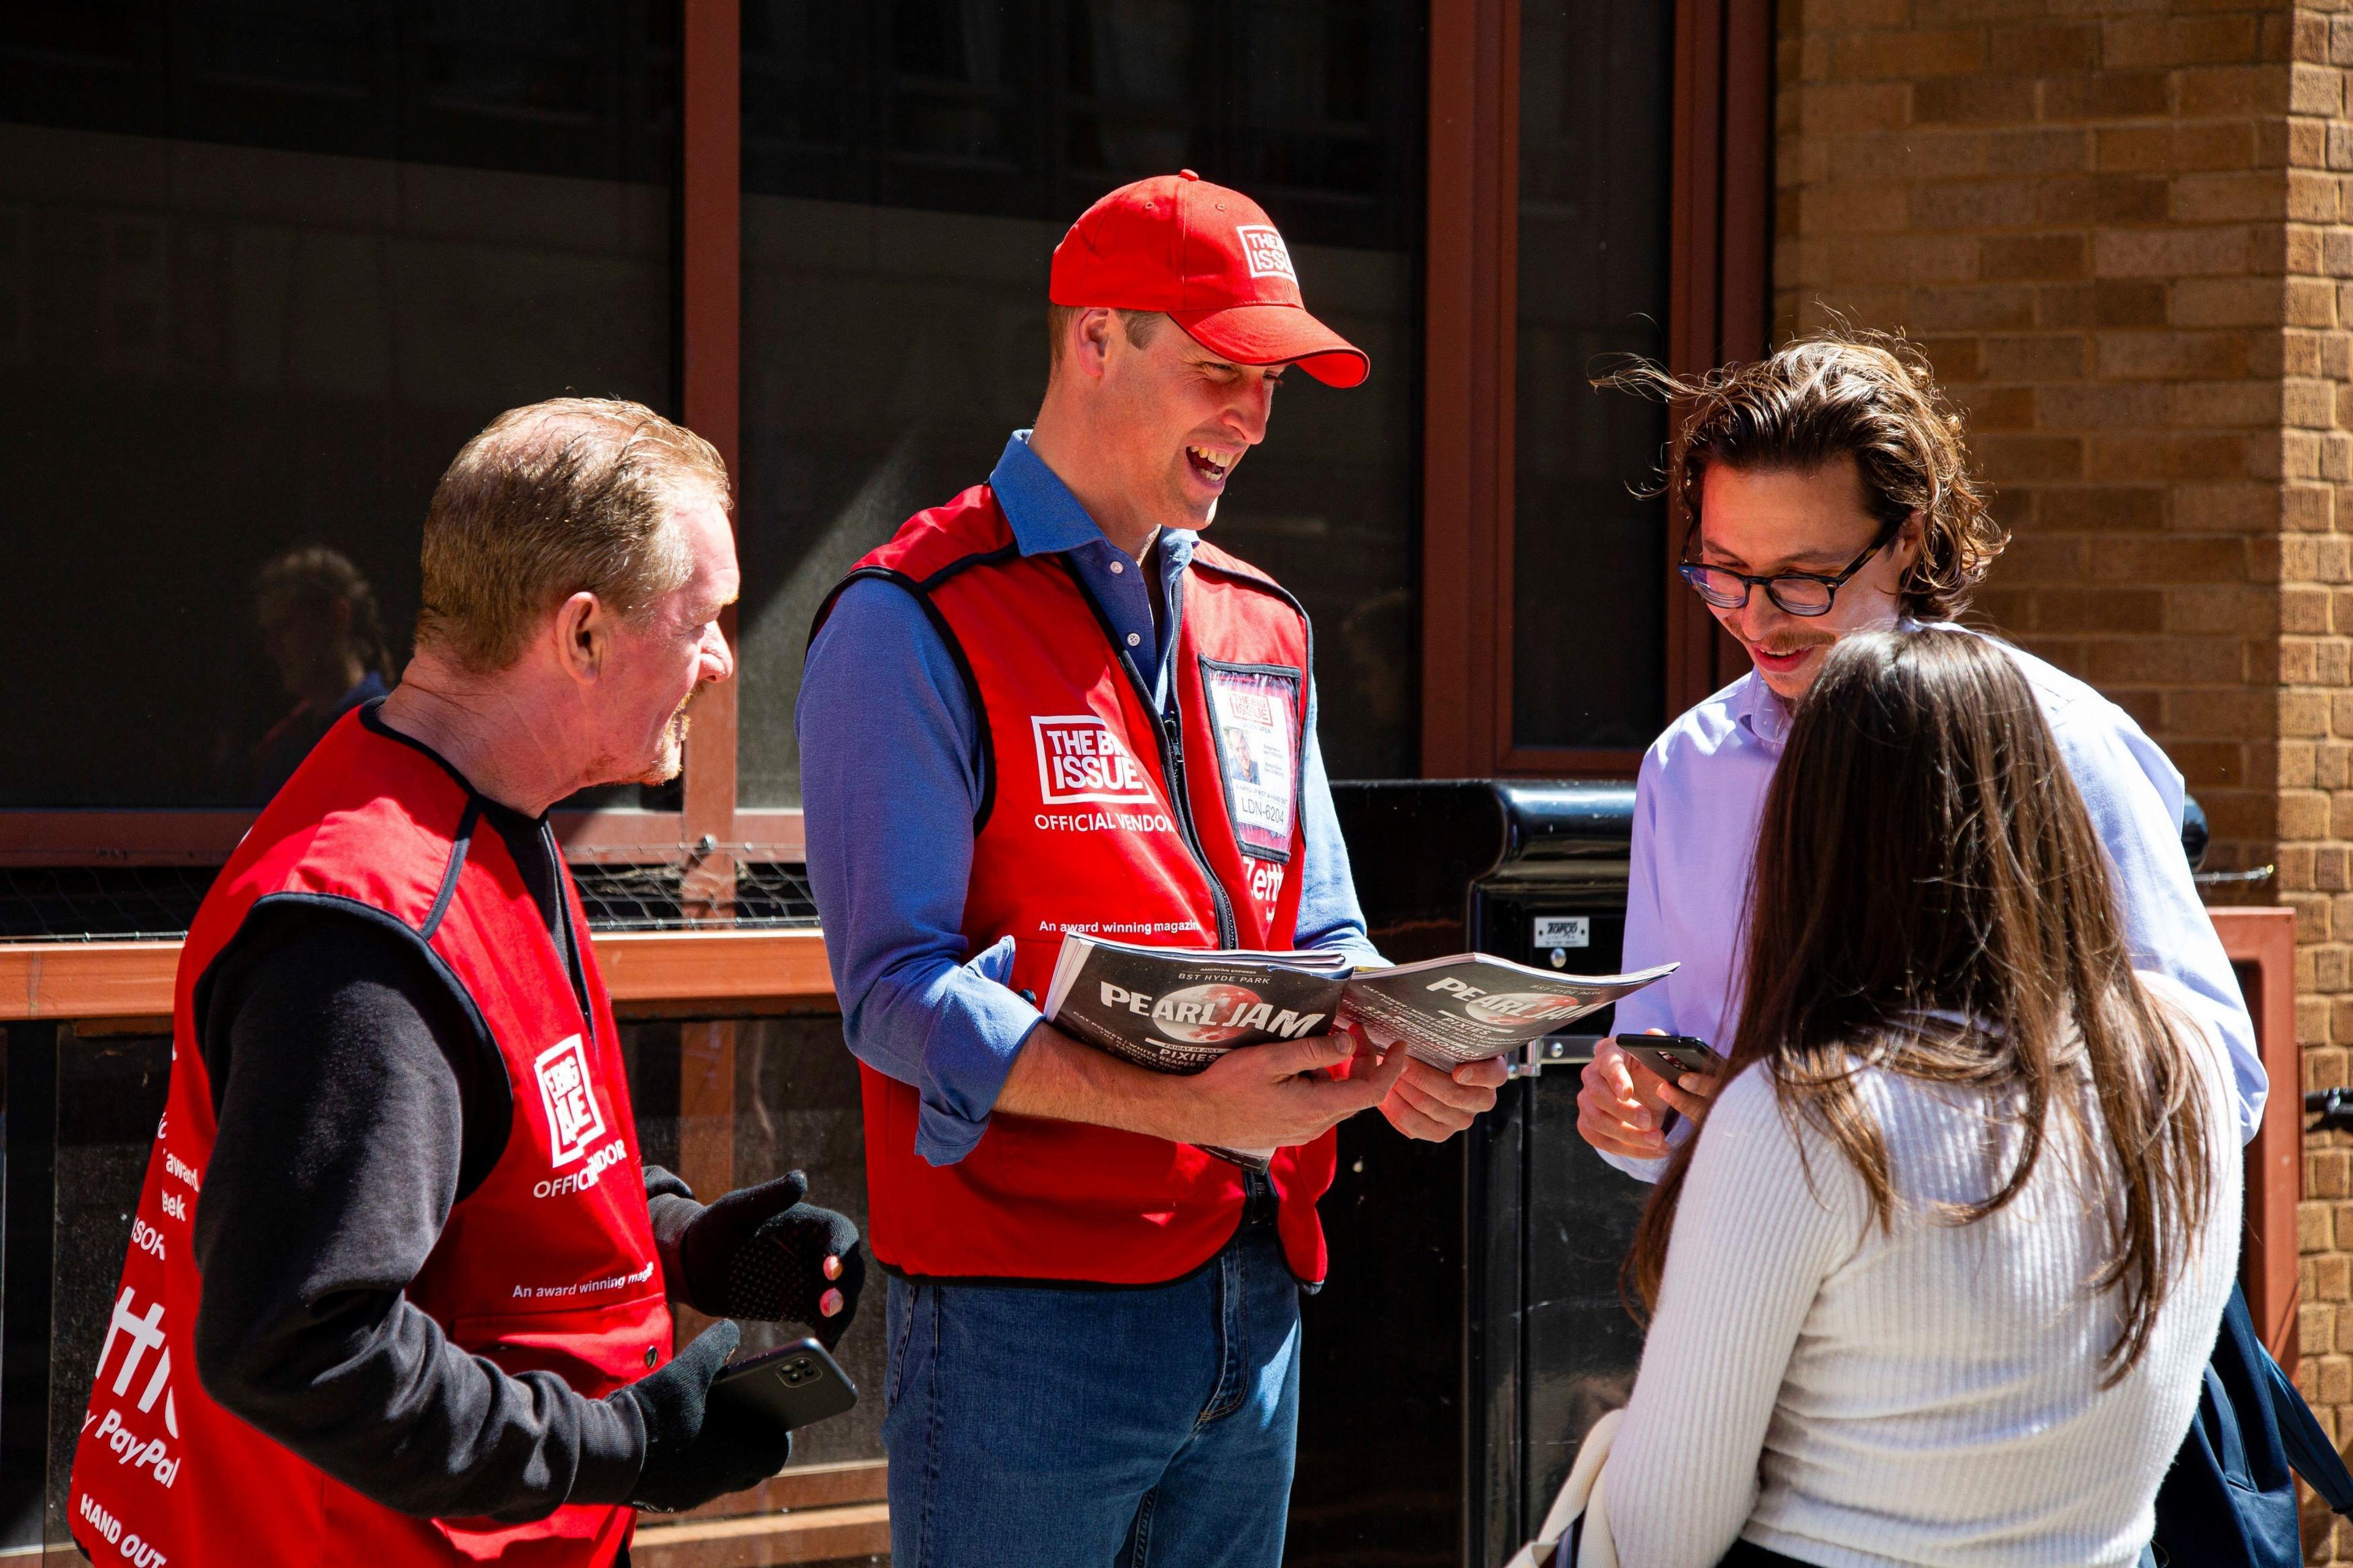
[
  {"x": 1720, "y": 297},
  {"x": 1720, "y": 287},
  {"x": 709, "y": 316},
  {"x": 1719, "y": 304}
]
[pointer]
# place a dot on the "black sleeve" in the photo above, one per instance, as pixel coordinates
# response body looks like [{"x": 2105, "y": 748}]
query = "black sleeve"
[
  {"x": 342, "y": 1140},
  {"x": 671, "y": 1207}
]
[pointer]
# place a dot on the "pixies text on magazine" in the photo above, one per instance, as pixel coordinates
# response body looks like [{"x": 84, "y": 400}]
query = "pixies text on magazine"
[{"x": 1178, "y": 1010}]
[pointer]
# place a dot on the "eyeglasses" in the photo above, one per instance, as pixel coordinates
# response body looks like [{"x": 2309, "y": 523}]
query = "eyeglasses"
[{"x": 1793, "y": 593}]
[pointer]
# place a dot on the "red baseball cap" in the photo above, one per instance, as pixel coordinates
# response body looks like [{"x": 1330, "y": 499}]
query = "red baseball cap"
[{"x": 1212, "y": 259}]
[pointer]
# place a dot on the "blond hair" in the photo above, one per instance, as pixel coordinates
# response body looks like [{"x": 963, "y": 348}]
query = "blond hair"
[
  {"x": 1839, "y": 393},
  {"x": 564, "y": 496}
]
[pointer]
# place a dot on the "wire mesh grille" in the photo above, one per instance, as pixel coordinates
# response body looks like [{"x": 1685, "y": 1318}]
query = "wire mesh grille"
[
  {"x": 93, "y": 903},
  {"x": 738, "y": 886},
  {"x": 637, "y": 894}
]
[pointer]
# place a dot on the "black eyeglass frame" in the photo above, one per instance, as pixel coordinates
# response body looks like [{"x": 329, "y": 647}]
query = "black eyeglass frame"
[{"x": 1748, "y": 584}]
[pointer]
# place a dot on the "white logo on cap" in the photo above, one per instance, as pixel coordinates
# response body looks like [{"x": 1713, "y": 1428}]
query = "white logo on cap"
[{"x": 1264, "y": 250}]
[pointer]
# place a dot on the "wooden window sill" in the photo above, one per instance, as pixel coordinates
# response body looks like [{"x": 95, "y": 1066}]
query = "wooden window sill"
[{"x": 650, "y": 973}]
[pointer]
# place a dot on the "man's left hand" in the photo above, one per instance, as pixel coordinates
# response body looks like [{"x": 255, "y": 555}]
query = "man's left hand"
[
  {"x": 1434, "y": 1105},
  {"x": 761, "y": 1255}
]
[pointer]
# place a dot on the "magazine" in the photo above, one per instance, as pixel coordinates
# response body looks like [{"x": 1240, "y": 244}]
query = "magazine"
[{"x": 1176, "y": 1010}]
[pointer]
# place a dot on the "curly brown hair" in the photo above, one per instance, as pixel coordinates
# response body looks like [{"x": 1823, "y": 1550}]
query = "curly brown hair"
[{"x": 1838, "y": 392}]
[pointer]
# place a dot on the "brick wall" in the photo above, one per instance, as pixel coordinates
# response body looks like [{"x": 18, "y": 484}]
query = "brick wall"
[{"x": 2120, "y": 228}]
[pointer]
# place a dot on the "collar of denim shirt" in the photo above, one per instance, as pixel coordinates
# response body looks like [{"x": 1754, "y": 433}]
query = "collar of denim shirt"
[
  {"x": 1048, "y": 520},
  {"x": 1046, "y": 517}
]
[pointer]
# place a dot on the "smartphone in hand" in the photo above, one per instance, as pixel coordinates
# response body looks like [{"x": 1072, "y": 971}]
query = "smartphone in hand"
[
  {"x": 796, "y": 1386},
  {"x": 1672, "y": 1056}
]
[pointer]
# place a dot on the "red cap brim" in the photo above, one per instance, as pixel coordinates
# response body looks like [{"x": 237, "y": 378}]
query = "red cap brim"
[{"x": 1277, "y": 334}]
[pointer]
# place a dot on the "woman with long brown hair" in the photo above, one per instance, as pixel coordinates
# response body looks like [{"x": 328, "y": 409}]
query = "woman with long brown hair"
[{"x": 1935, "y": 1281}]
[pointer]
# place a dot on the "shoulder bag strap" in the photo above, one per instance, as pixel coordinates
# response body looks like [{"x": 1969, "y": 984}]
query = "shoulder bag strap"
[{"x": 2308, "y": 1448}]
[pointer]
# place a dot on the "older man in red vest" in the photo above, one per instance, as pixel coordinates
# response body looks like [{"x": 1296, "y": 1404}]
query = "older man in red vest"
[
  {"x": 1094, "y": 1321},
  {"x": 398, "y": 1288}
]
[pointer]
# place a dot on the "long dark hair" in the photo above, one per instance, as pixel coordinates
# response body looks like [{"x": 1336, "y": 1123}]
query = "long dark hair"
[{"x": 1924, "y": 857}]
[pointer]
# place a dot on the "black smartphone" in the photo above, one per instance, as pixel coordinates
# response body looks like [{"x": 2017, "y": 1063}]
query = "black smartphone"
[
  {"x": 796, "y": 1386},
  {"x": 1672, "y": 1056}
]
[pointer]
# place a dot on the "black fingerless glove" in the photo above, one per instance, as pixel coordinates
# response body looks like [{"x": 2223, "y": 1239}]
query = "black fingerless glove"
[
  {"x": 758, "y": 1254},
  {"x": 697, "y": 1448}
]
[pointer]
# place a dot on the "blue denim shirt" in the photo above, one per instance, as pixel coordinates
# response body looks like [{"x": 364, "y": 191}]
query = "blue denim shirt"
[{"x": 891, "y": 776}]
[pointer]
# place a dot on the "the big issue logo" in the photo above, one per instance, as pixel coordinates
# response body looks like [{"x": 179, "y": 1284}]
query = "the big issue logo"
[
  {"x": 1081, "y": 760},
  {"x": 575, "y": 1120}
]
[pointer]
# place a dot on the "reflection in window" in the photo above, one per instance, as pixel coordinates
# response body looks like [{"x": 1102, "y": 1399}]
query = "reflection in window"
[
  {"x": 1587, "y": 552},
  {"x": 324, "y": 636},
  {"x": 907, "y": 169},
  {"x": 263, "y": 268}
]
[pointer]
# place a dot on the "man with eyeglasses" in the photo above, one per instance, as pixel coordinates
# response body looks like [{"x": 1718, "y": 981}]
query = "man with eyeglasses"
[{"x": 1826, "y": 492}]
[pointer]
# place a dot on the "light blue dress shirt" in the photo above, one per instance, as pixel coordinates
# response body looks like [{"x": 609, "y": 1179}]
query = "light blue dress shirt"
[
  {"x": 891, "y": 776},
  {"x": 1700, "y": 796}
]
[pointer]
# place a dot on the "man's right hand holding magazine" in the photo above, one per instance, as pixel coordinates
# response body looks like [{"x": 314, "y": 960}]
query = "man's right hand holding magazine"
[
  {"x": 1434, "y": 1105},
  {"x": 1276, "y": 1095}
]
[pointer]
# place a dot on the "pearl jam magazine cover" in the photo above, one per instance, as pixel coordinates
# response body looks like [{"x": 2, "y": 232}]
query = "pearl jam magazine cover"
[{"x": 1176, "y": 1010}]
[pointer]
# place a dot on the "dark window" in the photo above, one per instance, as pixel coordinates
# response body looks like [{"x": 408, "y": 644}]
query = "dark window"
[
  {"x": 1588, "y": 556},
  {"x": 263, "y": 268},
  {"x": 908, "y": 170}
]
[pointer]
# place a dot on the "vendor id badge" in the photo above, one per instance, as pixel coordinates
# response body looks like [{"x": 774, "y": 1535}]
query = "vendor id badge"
[{"x": 1254, "y": 711}]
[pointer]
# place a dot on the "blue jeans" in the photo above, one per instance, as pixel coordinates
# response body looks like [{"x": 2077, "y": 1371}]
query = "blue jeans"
[{"x": 1044, "y": 1426}]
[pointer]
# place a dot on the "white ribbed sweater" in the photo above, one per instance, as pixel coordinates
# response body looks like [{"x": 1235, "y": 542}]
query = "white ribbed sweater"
[{"x": 1929, "y": 1397}]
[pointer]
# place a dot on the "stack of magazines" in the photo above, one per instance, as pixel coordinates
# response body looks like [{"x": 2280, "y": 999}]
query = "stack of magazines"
[{"x": 1178, "y": 1010}]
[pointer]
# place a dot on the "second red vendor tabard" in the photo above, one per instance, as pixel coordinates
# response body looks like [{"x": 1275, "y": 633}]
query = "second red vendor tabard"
[{"x": 1103, "y": 818}]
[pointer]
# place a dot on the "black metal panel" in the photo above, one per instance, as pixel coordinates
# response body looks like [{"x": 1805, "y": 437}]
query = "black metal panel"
[
  {"x": 1550, "y": 824},
  {"x": 1494, "y": 1214},
  {"x": 28, "y": 1108},
  {"x": 1550, "y": 1221},
  {"x": 1577, "y": 1346},
  {"x": 1381, "y": 1407},
  {"x": 1579, "y": 1343},
  {"x": 1471, "y": 1330},
  {"x": 1415, "y": 849}
]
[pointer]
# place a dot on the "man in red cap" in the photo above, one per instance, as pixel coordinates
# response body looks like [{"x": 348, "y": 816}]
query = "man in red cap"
[{"x": 1048, "y": 706}]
